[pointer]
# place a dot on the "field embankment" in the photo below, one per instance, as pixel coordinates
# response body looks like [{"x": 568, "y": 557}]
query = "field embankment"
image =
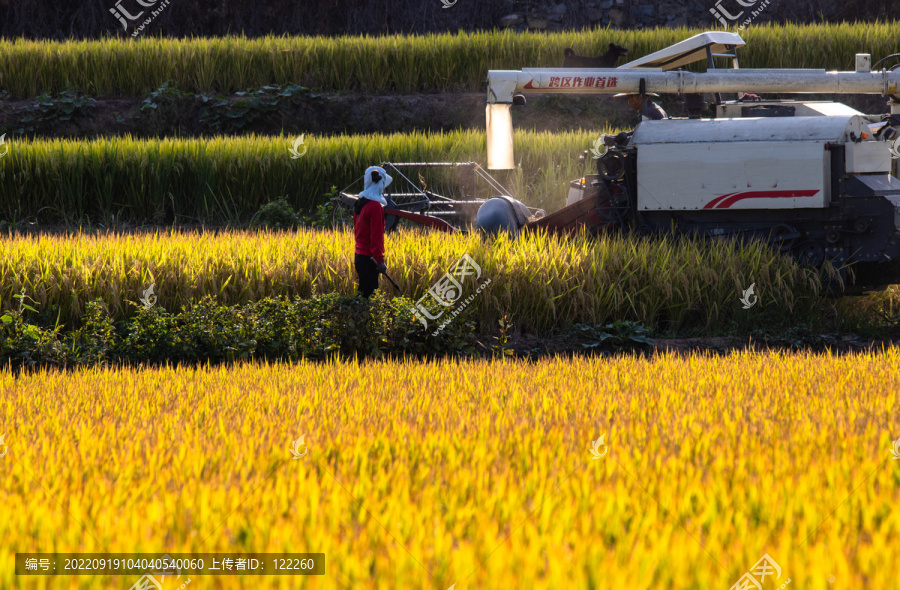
[{"x": 479, "y": 474}]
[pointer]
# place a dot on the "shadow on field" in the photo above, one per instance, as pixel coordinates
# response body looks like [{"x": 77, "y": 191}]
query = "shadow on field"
[{"x": 530, "y": 347}]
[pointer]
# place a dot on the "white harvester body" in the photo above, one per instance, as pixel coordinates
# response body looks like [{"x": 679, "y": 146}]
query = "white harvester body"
[{"x": 759, "y": 163}]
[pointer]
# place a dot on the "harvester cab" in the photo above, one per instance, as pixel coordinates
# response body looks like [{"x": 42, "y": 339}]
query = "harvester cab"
[{"x": 813, "y": 178}]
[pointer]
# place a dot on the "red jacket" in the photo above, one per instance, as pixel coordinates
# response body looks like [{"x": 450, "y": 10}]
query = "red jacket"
[{"x": 368, "y": 227}]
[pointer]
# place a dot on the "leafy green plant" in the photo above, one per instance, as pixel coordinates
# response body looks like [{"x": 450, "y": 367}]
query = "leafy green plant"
[
  {"x": 162, "y": 110},
  {"x": 91, "y": 342},
  {"x": 22, "y": 343},
  {"x": 618, "y": 335},
  {"x": 277, "y": 214},
  {"x": 272, "y": 328},
  {"x": 48, "y": 110},
  {"x": 501, "y": 346},
  {"x": 321, "y": 217},
  {"x": 164, "y": 95},
  {"x": 15, "y": 317},
  {"x": 221, "y": 114}
]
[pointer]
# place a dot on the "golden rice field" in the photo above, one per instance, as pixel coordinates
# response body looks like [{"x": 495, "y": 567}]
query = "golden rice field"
[
  {"x": 540, "y": 281},
  {"x": 471, "y": 473}
]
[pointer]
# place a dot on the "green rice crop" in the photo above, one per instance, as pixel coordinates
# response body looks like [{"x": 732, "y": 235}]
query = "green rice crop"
[
  {"x": 226, "y": 179},
  {"x": 540, "y": 281},
  {"x": 397, "y": 63}
]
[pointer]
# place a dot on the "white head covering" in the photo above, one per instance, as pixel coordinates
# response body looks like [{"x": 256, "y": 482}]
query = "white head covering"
[{"x": 373, "y": 190}]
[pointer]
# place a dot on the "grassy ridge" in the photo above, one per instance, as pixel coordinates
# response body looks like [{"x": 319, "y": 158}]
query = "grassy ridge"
[
  {"x": 541, "y": 282},
  {"x": 446, "y": 62},
  {"x": 220, "y": 179},
  {"x": 478, "y": 474}
]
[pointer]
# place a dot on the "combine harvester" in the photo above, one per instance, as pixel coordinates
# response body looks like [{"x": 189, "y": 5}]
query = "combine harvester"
[{"x": 812, "y": 178}]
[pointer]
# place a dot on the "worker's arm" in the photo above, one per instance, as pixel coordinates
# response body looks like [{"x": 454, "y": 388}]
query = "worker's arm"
[
  {"x": 376, "y": 227},
  {"x": 653, "y": 111}
]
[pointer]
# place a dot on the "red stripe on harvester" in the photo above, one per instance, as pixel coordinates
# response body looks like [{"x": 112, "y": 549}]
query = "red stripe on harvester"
[
  {"x": 764, "y": 195},
  {"x": 712, "y": 203},
  {"x": 529, "y": 86}
]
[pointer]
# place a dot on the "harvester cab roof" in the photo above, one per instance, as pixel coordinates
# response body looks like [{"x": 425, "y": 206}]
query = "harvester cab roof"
[{"x": 704, "y": 46}]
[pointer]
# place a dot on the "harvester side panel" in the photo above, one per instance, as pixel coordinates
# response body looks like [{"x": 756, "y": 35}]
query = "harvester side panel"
[
  {"x": 870, "y": 157},
  {"x": 736, "y": 175}
]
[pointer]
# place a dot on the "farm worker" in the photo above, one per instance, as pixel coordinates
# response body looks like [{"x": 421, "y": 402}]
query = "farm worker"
[
  {"x": 649, "y": 110},
  {"x": 368, "y": 227}
]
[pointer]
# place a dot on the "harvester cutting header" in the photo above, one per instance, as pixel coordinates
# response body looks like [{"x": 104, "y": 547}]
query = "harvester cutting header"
[{"x": 811, "y": 177}]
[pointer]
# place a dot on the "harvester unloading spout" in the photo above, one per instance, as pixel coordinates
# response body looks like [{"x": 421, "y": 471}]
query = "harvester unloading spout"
[{"x": 499, "y": 123}]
